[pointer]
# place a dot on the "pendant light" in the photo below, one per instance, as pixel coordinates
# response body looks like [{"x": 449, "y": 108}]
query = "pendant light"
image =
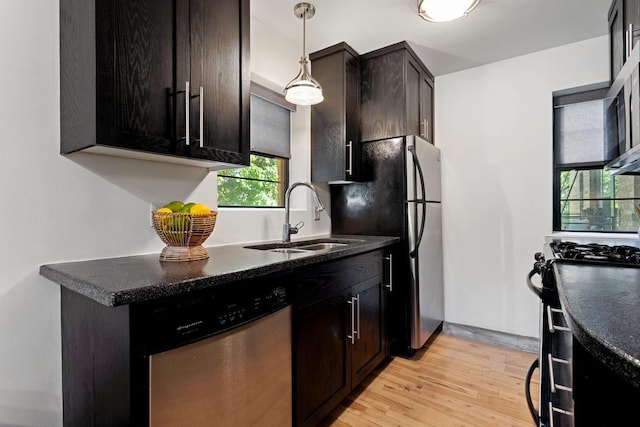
[
  {"x": 445, "y": 10},
  {"x": 304, "y": 89}
]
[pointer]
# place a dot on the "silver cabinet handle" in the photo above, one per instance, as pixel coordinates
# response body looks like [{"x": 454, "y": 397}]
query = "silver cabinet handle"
[
  {"x": 352, "y": 337},
  {"x": 201, "y": 117},
  {"x": 390, "y": 284},
  {"x": 357, "y": 299},
  {"x": 187, "y": 102},
  {"x": 350, "y": 149},
  {"x": 424, "y": 124},
  {"x": 552, "y": 327}
]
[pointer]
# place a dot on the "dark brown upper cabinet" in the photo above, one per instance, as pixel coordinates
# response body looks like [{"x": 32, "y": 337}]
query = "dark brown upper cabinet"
[
  {"x": 164, "y": 80},
  {"x": 624, "y": 32},
  {"x": 617, "y": 36},
  {"x": 397, "y": 94},
  {"x": 335, "y": 122}
]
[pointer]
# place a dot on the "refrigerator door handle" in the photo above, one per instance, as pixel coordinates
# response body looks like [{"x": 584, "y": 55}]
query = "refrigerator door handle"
[{"x": 416, "y": 163}]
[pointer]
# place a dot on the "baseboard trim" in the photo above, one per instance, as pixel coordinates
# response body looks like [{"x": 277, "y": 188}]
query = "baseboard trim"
[{"x": 488, "y": 336}]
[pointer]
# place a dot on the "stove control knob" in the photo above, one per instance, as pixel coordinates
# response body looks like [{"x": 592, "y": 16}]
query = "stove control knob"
[{"x": 276, "y": 297}]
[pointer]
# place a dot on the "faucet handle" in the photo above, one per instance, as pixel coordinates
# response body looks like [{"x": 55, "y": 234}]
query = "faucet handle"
[{"x": 296, "y": 228}]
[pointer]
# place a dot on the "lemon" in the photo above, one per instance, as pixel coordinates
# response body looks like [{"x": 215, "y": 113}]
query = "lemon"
[
  {"x": 175, "y": 206},
  {"x": 163, "y": 210},
  {"x": 200, "y": 208}
]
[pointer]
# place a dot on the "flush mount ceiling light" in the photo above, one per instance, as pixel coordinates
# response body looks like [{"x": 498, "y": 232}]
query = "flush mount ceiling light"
[
  {"x": 445, "y": 10},
  {"x": 304, "y": 89}
]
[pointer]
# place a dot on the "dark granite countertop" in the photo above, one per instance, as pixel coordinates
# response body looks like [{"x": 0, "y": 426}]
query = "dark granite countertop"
[
  {"x": 133, "y": 279},
  {"x": 603, "y": 308}
]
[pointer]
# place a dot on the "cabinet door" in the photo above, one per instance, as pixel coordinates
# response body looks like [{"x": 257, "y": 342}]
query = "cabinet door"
[
  {"x": 414, "y": 99},
  {"x": 134, "y": 74},
  {"x": 369, "y": 347},
  {"x": 383, "y": 97},
  {"x": 335, "y": 122},
  {"x": 322, "y": 353},
  {"x": 352, "y": 115},
  {"x": 426, "y": 108},
  {"x": 616, "y": 38},
  {"x": 632, "y": 21},
  {"x": 219, "y": 80},
  {"x": 328, "y": 120}
]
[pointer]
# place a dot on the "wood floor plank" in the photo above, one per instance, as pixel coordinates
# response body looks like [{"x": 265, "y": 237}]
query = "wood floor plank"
[{"x": 454, "y": 382}]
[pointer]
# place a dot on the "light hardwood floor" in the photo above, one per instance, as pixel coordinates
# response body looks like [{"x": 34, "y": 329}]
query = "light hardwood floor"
[{"x": 452, "y": 382}]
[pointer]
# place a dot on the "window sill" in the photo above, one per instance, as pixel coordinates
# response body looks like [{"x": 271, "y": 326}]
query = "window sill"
[{"x": 595, "y": 235}]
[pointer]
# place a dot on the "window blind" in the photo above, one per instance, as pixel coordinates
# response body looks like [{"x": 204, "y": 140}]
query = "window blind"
[
  {"x": 580, "y": 130},
  {"x": 270, "y": 128}
]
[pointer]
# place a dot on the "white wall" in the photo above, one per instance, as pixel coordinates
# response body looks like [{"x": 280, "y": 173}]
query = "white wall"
[
  {"x": 58, "y": 208},
  {"x": 494, "y": 127}
]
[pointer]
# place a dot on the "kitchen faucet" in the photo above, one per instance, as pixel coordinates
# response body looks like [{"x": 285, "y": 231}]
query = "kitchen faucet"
[{"x": 287, "y": 229}]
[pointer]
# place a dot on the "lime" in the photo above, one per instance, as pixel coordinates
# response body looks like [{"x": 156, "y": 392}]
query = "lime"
[
  {"x": 187, "y": 207},
  {"x": 175, "y": 206},
  {"x": 200, "y": 208}
]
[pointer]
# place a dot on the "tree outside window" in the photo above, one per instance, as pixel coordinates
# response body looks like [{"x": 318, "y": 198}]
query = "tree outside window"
[{"x": 262, "y": 184}]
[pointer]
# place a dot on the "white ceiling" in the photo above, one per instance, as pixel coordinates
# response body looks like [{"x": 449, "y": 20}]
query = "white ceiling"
[{"x": 495, "y": 30}]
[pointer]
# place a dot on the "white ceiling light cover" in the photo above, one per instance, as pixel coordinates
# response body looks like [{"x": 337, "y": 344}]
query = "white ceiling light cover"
[{"x": 445, "y": 10}]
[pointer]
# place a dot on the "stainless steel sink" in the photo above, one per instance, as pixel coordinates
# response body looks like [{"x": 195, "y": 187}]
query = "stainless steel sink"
[
  {"x": 322, "y": 246},
  {"x": 305, "y": 246},
  {"x": 287, "y": 250}
]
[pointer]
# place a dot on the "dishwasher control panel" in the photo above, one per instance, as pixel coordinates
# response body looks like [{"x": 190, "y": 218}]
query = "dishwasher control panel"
[{"x": 181, "y": 320}]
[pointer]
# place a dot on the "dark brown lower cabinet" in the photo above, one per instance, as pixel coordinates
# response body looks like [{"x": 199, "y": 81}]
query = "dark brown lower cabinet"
[
  {"x": 340, "y": 332},
  {"x": 601, "y": 397}
]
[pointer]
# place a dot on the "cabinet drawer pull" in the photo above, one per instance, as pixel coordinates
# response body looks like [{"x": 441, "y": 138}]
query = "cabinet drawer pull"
[
  {"x": 552, "y": 327},
  {"x": 390, "y": 284},
  {"x": 352, "y": 337},
  {"x": 187, "y": 102},
  {"x": 552, "y": 380},
  {"x": 350, "y": 152}
]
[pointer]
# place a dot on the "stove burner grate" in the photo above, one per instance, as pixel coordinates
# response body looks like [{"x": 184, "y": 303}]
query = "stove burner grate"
[{"x": 597, "y": 253}]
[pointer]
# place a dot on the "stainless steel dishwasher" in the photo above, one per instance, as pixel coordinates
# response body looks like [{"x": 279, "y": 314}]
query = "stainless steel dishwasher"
[{"x": 223, "y": 359}]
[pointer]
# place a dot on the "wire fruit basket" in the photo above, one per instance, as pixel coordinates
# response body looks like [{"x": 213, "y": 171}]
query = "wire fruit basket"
[{"x": 184, "y": 234}]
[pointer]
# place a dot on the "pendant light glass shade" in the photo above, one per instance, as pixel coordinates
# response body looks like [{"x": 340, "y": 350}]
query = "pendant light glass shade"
[
  {"x": 445, "y": 10},
  {"x": 304, "y": 89}
]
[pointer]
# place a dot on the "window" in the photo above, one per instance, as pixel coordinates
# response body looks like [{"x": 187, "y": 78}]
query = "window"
[
  {"x": 260, "y": 185},
  {"x": 265, "y": 181},
  {"x": 586, "y": 196}
]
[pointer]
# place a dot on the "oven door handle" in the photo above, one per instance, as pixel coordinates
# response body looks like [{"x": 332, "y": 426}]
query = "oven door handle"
[
  {"x": 536, "y": 290},
  {"x": 527, "y": 390}
]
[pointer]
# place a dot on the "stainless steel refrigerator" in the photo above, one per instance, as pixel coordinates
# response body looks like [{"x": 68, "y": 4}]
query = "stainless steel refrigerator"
[{"x": 400, "y": 196}]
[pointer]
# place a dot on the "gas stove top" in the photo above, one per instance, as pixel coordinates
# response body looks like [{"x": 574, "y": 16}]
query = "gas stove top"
[{"x": 597, "y": 253}]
